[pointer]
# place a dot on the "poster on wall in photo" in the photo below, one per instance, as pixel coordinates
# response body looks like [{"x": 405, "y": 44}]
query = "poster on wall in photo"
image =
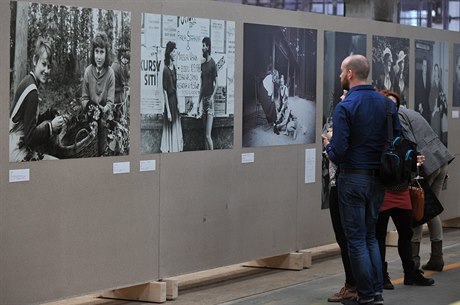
[
  {"x": 279, "y": 85},
  {"x": 390, "y": 65},
  {"x": 431, "y": 84},
  {"x": 350, "y": 44},
  {"x": 187, "y": 83},
  {"x": 69, "y": 82}
]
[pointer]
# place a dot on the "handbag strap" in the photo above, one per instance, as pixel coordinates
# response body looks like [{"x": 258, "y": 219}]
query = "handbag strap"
[{"x": 418, "y": 183}]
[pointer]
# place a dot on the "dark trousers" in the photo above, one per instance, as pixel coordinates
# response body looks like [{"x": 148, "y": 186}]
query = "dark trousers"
[
  {"x": 403, "y": 221},
  {"x": 340, "y": 235}
]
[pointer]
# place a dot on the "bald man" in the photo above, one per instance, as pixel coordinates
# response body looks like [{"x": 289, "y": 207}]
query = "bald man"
[{"x": 359, "y": 138}]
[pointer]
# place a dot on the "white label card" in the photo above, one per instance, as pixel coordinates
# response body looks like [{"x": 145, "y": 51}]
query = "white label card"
[
  {"x": 121, "y": 167},
  {"x": 247, "y": 158},
  {"x": 147, "y": 165},
  {"x": 17, "y": 175},
  {"x": 310, "y": 169}
]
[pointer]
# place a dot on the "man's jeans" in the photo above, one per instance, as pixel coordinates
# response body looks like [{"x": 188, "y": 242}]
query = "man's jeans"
[{"x": 360, "y": 197}]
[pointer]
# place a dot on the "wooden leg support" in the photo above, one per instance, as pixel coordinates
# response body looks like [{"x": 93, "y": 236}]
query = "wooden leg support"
[
  {"x": 150, "y": 292},
  {"x": 306, "y": 258},
  {"x": 291, "y": 261},
  {"x": 392, "y": 238},
  {"x": 172, "y": 289}
]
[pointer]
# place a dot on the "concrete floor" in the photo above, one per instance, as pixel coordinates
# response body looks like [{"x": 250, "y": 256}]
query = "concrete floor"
[{"x": 313, "y": 286}]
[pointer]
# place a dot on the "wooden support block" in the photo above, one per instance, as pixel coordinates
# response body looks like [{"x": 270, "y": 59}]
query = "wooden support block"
[
  {"x": 392, "y": 238},
  {"x": 291, "y": 261},
  {"x": 172, "y": 289},
  {"x": 451, "y": 223},
  {"x": 307, "y": 258},
  {"x": 150, "y": 292}
]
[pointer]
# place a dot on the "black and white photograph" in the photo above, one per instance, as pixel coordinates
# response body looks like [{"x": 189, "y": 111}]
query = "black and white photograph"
[
  {"x": 187, "y": 83},
  {"x": 279, "y": 85},
  {"x": 431, "y": 84},
  {"x": 456, "y": 84},
  {"x": 337, "y": 46},
  {"x": 390, "y": 65},
  {"x": 69, "y": 82}
]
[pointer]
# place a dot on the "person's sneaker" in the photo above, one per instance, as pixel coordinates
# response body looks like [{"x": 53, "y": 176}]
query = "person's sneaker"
[
  {"x": 356, "y": 302},
  {"x": 386, "y": 277},
  {"x": 378, "y": 299},
  {"x": 417, "y": 279},
  {"x": 346, "y": 293},
  {"x": 387, "y": 284},
  {"x": 337, "y": 297}
]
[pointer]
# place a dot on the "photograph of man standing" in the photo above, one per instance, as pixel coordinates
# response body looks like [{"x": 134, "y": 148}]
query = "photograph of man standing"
[
  {"x": 208, "y": 91},
  {"x": 360, "y": 133}
]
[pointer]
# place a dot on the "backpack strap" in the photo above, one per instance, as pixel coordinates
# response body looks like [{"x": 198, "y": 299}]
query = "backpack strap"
[
  {"x": 409, "y": 155},
  {"x": 389, "y": 121}
]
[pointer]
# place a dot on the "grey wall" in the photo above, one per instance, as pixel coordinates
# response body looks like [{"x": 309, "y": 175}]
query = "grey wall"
[{"x": 76, "y": 228}]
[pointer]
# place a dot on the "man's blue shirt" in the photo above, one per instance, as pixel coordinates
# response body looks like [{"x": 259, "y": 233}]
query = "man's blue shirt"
[{"x": 360, "y": 129}]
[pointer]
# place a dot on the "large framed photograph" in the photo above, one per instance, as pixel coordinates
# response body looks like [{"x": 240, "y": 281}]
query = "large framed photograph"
[
  {"x": 431, "y": 84},
  {"x": 279, "y": 85},
  {"x": 69, "y": 82},
  {"x": 337, "y": 46},
  {"x": 187, "y": 83}
]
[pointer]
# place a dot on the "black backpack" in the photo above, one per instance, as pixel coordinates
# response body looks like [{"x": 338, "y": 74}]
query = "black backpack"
[
  {"x": 397, "y": 162},
  {"x": 398, "y": 158}
]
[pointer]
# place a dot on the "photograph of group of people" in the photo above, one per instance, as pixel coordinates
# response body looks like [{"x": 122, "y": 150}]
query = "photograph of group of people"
[
  {"x": 431, "y": 85},
  {"x": 279, "y": 85},
  {"x": 69, "y": 82},
  {"x": 187, "y": 83},
  {"x": 390, "y": 65}
]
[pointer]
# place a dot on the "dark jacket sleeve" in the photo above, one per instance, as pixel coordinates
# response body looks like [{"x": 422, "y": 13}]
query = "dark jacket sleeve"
[{"x": 35, "y": 133}]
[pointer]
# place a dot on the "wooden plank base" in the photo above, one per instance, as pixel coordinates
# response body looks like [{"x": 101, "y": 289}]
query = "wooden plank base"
[
  {"x": 167, "y": 289},
  {"x": 151, "y": 292},
  {"x": 291, "y": 261}
]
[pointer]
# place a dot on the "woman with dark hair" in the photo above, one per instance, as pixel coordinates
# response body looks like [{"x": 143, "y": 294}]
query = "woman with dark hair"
[
  {"x": 397, "y": 205},
  {"x": 98, "y": 88},
  {"x": 171, "y": 138},
  {"x": 28, "y": 128}
]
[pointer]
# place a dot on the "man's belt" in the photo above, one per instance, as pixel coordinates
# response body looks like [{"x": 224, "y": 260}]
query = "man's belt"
[{"x": 361, "y": 171}]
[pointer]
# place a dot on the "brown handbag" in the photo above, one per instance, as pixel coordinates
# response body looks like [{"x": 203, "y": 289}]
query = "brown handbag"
[{"x": 417, "y": 198}]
